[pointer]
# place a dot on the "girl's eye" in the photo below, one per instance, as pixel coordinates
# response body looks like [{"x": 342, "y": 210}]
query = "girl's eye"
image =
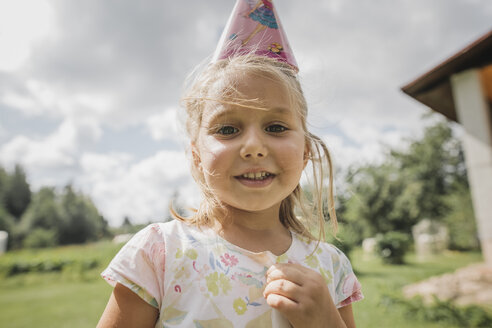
[
  {"x": 227, "y": 130},
  {"x": 276, "y": 128}
]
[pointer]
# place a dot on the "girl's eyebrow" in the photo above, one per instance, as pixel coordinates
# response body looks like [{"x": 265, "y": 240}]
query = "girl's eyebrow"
[{"x": 219, "y": 114}]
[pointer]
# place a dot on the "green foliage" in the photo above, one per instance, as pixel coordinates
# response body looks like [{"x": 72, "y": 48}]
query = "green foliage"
[
  {"x": 72, "y": 261},
  {"x": 378, "y": 280},
  {"x": 427, "y": 180},
  {"x": 471, "y": 316},
  {"x": 17, "y": 193},
  {"x": 436, "y": 162},
  {"x": 46, "y": 265},
  {"x": 3, "y": 185},
  {"x": 43, "y": 211},
  {"x": 7, "y": 221},
  {"x": 81, "y": 222},
  {"x": 46, "y": 218},
  {"x": 460, "y": 220},
  {"x": 352, "y": 226},
  {"x": 39, "y": 238},
  {"x": 383, "y": 198},
  {"x": 392, "y": 247},
  {"x": 346, "y": 240},
  {"x": 53, "y": 219}
]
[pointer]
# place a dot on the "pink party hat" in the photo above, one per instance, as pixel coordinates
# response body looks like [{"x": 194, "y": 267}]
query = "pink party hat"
[{"x": 254, "y": 26}]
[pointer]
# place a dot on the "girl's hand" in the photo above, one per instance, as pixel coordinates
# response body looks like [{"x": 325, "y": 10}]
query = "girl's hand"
[{"x": 302, "y": 296}]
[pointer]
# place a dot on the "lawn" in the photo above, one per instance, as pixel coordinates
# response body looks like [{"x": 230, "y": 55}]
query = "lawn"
[
  {"x": 76, "y": 298},
  {"x": 70, "y": 298},
  {"x": 379, "y": 279}
]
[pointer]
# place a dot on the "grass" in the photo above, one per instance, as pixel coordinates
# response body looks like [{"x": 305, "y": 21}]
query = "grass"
[
  {"x": 378, "y": 279},
  {"x": 70, "y": 298},
  {"x": 65, "y": 304},
  {"x": 76, "y": 299}
]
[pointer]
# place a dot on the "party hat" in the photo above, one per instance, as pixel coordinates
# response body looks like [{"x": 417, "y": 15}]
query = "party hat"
[{"x": 254, "y": 26}]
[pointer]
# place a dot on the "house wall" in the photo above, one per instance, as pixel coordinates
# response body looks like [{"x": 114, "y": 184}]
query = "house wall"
[{"x": 474, "y": 113}]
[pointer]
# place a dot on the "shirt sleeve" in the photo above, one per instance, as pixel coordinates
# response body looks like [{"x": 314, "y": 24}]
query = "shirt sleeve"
[
  {"x": 348, "y": 289},
  {"x": 139, "y": 265}
]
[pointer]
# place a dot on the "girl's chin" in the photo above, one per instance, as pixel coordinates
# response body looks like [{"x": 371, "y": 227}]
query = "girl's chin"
[{"x": 253, "y": 207}]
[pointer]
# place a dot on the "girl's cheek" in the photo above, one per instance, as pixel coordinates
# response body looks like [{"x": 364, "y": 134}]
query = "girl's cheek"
[
  {"x": 212, "y": 150},
  {"x": 292, "y": 149},
  {"x": 213, "y": 146},
  {"x": 292, "y": 157}
]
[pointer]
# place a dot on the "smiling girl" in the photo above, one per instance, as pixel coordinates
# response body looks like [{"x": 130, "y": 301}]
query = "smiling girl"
[{"x": 246, "y": 258}]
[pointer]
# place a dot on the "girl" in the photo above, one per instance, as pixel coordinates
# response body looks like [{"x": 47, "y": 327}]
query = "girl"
[{"x": 245, "y": 258}]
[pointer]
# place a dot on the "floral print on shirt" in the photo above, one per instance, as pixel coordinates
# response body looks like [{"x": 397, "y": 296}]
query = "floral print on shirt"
[{"x": 197, "y": 279}]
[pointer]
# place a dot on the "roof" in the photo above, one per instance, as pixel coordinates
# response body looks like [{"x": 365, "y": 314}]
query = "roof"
[{"x": 434, "y": 87}]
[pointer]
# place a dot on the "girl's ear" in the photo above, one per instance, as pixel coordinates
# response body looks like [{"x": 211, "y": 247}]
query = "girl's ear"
[
  {"x": 307, "y": 153},
  {"x": 196, "y": 156}
]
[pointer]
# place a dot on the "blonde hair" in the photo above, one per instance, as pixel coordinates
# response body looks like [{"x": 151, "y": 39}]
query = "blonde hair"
[{"x": 216, "y": 84}]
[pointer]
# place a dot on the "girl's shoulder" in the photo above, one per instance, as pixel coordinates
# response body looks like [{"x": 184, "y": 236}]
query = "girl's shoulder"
[
  {"x": 316, "y": 247},
  {"x": 165, "y": 229},
  {"x": 322, "y": 254},
  {"x": 170, "y": 232}
]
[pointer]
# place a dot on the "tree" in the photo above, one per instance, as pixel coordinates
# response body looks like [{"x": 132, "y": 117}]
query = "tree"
[
  {"x": 410, "y": 185},
  {"x": 383, "y": 198},
  {"x": 43, "y": 212},
  {"x": 46, "y": 218},
  {"x": 460, "y": 220},
  {"x": 81, "y": 221},
  {"x": 17, "y": 193},
  {"x": 6, "y": 220},
  {"x": 3, "y": 185},
  {"x": 436, "y": 162}
]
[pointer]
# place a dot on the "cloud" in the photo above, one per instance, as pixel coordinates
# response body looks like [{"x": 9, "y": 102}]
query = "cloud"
[
  {"x": 165, "y": 126},
  {"x": 3, "y": 132},
  {"x": 141, "y": 189},
  {"x": 116, "y": 62},
  {"x": 361, "y": 144},
  {"x": 37, "y": 98},
  {"x": 354, "y": 62},
  {"x": 51, "y": 159},
  {"x": 20, "y": 28}
]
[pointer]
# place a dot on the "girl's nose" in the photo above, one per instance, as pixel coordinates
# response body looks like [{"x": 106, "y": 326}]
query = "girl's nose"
[{"x": 254, "y": 145}]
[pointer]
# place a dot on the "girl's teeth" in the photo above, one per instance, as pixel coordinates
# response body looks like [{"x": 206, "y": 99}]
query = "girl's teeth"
[{"x": 256, "y": 176}]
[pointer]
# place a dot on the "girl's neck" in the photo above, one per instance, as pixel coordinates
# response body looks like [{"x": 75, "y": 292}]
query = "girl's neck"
[{"x": 255, "y": 231}]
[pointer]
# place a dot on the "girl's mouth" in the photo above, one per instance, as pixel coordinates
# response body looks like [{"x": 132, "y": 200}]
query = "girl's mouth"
[
  {"x": 256, "y": 179},
  {"x": 256, "y": 175}
]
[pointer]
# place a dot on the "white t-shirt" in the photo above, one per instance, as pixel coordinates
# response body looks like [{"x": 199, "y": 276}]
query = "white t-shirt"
[{"x": 195, "y": 278}]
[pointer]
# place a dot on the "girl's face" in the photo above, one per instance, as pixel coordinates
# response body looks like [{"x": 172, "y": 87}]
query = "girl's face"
[{"x": 252, "y": 159}]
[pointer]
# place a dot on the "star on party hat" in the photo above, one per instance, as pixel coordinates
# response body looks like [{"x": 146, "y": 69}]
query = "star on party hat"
[{"x": 254, "y": 26}]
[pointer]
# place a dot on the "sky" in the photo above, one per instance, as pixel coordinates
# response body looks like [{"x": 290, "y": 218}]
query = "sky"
[{"x": 89, "y": 90}]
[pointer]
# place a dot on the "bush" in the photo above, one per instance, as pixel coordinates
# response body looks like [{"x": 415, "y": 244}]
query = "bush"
[
  {"x": 471, "y": 316},
  {"x": 6, "y": 220},
  {"x": 16, "y": 267},
  {"x": 40, "y": 238},
  {"x": 392, "y": 246},
  {"x": 346, "y": 240},
  {"x": 461, "y": 220}
]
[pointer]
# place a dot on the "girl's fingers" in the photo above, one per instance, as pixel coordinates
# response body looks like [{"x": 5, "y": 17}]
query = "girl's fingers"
[
  {"x": 283, "y": 288},
  {"x": 292, "y": 272},
  {"x": 281, "y": 303}
]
